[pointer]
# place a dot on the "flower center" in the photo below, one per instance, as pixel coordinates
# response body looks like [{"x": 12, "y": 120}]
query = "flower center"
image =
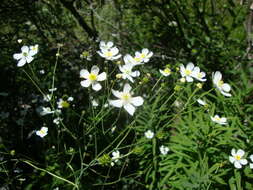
[
  {"x": 167, "y": 71},
  {"x": 126, "y": 97},
  {"x": 108, "y": 54},
  {"x": 64, "y": 104},
  {"x": 142, "y": 55},
  {"x": 93, "y": 77},
  {"x": 25, "y": 54},
  {"x": 43, "y": 132},
  {"x": 188, "y": 72},
  {"x": 237, "y": 157},
  {"x": 138, "y": 59},
  {"x": 127, "y": 72},
  {"x": 220, "y": 83}
]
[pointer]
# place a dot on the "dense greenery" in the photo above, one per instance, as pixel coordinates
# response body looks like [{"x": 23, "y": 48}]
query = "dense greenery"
[{"x": 77, "y": 152}]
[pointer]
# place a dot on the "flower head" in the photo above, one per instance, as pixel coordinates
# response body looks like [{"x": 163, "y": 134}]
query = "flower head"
[
  {"x": 24, "y": 57},
  {"x": 42, "y": 132},
  {"x": 197, "y": 74},
  {"x": 63, "y": 103},
  {"x": 219, "y": 120},
  {"x": 224, "y": 88},
  {"x": 164, "y": 150},
  {"x": 115, "y": 156},
  {"x": 166, "y": 72},
  {"x": 187, "y": 72},
  {"x": 149, "y": 134},
  {"x": 108, "y": 52},
  {"x": 237, "y": 158},
  {"x": 126, "y": 100},
  {"x": 127, "y": 72},
  {"x": 92, "y": 78},
  {"x": 201, "y": 102},
  {"x": 143, "y": 56}
]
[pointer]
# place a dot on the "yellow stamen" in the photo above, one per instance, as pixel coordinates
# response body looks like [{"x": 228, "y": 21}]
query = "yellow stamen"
[
  {"x": 126, "y": 97},
  {"x": 108, "y": 54},
  {"x": 25, "y": 54},
  {"x": 188, "y": 72},
  {"x": 220, "y": 83},
  {"x": 64, "y": 104},
  {"x": 237, "y": 157},
  {"x": 167, "y": 71},
  {"x": 93, "y": 77}
]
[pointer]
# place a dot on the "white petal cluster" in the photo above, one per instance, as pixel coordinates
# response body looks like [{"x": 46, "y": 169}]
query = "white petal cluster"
[
  {"x": 26, "y": 55},
  {"x": 44, "y": 110},
  {"x": 237, "y": 158},
  {"x": 126, "y": 100},
  {"x": 190, "y": 72},
  {"x": 219, "y": 120},
  {"x": 92, "y": 78},
  {"x": 149, "y": 134},
  {"x": 143, "y": 56},
  {"x": 127, "y": 73},
  {"x": 164, "y": 150},
  {"x": 108, "y": 52},
  {"x": 42, "y": 132},
  {"x": 224, "y": 88},
  {"x": 166, "y": 72}
]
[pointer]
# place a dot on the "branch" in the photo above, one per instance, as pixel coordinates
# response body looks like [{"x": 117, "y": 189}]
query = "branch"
[{"x": 69, "y": 5}]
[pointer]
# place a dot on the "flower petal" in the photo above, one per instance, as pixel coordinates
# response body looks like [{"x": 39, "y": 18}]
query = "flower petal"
[
  {"x": 29, "y": 59},
  {"x": 217, "y": 77},
  {"x": 96, "y": 86},
  {"x": 85, "y": 83},
  {"x": 240, "y": 152},
  {"x": 189, "y": 79},
  {"x": 231, "y": 159},
  {"x": 127, "y": 88},
  {"x": 225, "y": 93},
  {"x": 95, "y": 69},
  {"x": 233, "y": 152},
  {"x": 190, "y": 66},
  {"x": 101, "y": 76},
  {"x": 116, "y": 103},
  {"x": 116, "y": 93},
  {"x": 17, "y": 56},
  {"x": 129, "y": 108},
  {"x": 244, "y": 161},
  {"x": 226, "y": 87},
  {"x": 237, "y": 164},
  {"x": 25, "y": 49},
  {"x": 137, "y": 101},
  {"x": 21, "y": 62},
  {"x": 84, "y": 74}
]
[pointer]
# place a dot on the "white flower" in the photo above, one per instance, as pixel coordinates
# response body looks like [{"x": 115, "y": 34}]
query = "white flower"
[
  {"x": 57, "y": 120},
  {"x": 126, "y": 100},
  {"x": 116, "y": 156},
  {"x": 197, "y": 74},
  {"x": 149, "y": 134},
  {"x": 62, "y": 103},
  {"x": 127, "y": 72},
  {"x": 19, "y": 41},
  {"x": 23, "y": 57},
  {"x": 187, "y": 72},
  {"x": 92, "y": 78},
  {"x": 201, "y": 102},
  {"x": 166, "y": 72},
  {"x": 143, "y": 57},
  {"x": 164, "y": 150},
  {"x": 34, "y": 49},
  {"x": 45, "y": 111},
  {"x": 251, "y": 164},
  {"x": 42, "y": 132},
  {"x": 42, "y": 71},
  {"x": 108, "y": 52},
  {"x": 224, "y": 88},
  {"x": 237, "y": 159},
  {"x": 219, "y": 120}
]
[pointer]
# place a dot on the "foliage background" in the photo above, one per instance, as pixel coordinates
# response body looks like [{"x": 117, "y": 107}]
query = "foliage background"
[{"x": 214, "y": 34}]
